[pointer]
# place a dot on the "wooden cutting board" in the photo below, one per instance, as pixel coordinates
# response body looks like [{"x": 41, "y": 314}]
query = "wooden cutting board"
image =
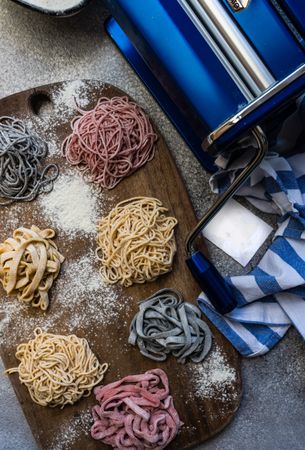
[{"x": 206, "y": 395}]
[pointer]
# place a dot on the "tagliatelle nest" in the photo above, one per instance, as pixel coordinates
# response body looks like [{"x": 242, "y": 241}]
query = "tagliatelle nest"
[
  {"x": 165, "y": 324},
  {"x": 29, "y": 264},
  {"x": 136, "y": 242}
]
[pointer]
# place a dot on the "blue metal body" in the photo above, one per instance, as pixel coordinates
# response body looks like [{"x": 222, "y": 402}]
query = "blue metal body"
[
  {"x": 186, "y": 77},
  {"x": 263, "y": 112},
  {"x": 211, "y": 282},
  {"x": 168, "y": 42},
  {"x": 194, "y": 88},
  {"x": 177, "y": 65},
  {"x": 295, "y": 10},
  {"x": 269, "y": 33}
]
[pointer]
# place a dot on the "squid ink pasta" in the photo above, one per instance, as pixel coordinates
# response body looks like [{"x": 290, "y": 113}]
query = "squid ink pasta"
[
  {"x": 22, "y": 176},
  {"x": 165, "y": 325}
]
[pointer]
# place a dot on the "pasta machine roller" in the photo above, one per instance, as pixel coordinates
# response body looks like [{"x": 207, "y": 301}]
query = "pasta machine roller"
[{"x": 222, "y": 70}]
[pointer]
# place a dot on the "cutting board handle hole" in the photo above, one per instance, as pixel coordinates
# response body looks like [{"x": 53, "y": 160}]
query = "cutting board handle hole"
[{"x": 41, "y": 105}]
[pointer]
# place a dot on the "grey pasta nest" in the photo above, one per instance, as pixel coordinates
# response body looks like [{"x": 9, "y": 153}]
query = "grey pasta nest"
[
  {"x": 165, "y": 325},
  {"x": 22, "y": 175}
]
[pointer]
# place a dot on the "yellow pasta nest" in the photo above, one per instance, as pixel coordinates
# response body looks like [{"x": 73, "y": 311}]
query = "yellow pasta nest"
[
  {"x": 136, "y": 242},
  {"x": 29, "y": 264},
  {"x": 57, "y": 370}
]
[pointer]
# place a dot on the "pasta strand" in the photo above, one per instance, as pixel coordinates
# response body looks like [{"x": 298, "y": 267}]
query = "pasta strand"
[
  {"x": 165, "y": 325},
  {"x": 136, "y": 412}
]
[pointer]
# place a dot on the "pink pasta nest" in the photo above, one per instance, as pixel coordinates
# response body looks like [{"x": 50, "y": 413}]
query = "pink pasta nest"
[
  {"x": 136, "y": 412},
  {"x": 110, "y": 142}
]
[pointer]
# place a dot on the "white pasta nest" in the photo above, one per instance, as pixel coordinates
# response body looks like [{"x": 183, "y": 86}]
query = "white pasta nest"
[{"x": 57, "y": 370}]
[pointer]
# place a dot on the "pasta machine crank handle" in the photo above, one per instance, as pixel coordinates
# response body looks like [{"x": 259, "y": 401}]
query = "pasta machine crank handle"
[{"x": 204, "y": 272}]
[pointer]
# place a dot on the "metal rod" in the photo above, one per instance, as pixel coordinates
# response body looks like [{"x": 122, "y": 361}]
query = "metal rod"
[
  {"x": 224, "y": 53},
  {"x": 261, "y": 151},
  {"x": 227, "y": 36},
  {"x": 238, "y": 43},
  {"x": 252, "y": 106}
]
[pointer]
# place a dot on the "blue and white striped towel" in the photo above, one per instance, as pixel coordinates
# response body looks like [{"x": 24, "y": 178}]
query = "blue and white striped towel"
[{"x": 272, "y": 296}]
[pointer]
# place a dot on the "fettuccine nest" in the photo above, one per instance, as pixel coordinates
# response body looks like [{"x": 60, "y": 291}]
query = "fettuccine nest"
[{"x": 29, "y": 264}]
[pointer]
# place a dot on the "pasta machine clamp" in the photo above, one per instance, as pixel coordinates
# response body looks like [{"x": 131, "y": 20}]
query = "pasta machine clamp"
[{"x": 205, "y": 273}]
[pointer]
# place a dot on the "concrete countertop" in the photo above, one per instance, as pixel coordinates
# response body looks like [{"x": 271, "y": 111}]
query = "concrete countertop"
[{"x": 35, "y": 50}]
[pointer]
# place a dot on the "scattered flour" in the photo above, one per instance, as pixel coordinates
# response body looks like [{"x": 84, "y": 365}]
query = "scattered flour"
[
  {"x": 89, "y": 300},
  {"x": 46, "y": 131},
  {"x": 63, "y": 108},
  {"x": 71, "y": 430},
  {"x": 72, "y": 204},
  {"x": 55, "y": 5},
  {"x": 83, "y": 301},
  {"x": 13, "y": 219},
  {"x": 214, "y": 378},
  {"x": 71, "y": 95}
]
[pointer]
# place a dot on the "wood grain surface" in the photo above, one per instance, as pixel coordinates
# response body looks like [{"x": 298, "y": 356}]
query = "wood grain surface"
[{"x": 203, "y": 416}]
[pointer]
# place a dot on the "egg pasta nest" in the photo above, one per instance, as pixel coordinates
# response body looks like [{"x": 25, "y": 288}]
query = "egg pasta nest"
[
  {"x": 136, "y": 242},
  {"x": 57, "y": 370}
]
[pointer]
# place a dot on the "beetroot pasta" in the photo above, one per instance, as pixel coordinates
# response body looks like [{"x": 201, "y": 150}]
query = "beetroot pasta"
[
  {"x": 136, "y": 412},
  {"x": 110, "y": 142}
]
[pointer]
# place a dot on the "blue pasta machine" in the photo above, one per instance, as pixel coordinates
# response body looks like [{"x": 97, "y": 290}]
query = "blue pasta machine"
[{"x": 223, "y": 71}]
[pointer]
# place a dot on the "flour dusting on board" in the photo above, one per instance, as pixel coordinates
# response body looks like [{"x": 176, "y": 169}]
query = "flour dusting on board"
[
  {"x": 83, "y": 300},
  {"x": 64, "y": 103},
  {"x": 71, "y": 95},
  {"x": 89, "y": 300},
  {"x": 72, "y": 204},
  {"x": 46, "y": 131},
  {"x": 214, "y": 378},
  {"x": 71, "y": 430}
]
